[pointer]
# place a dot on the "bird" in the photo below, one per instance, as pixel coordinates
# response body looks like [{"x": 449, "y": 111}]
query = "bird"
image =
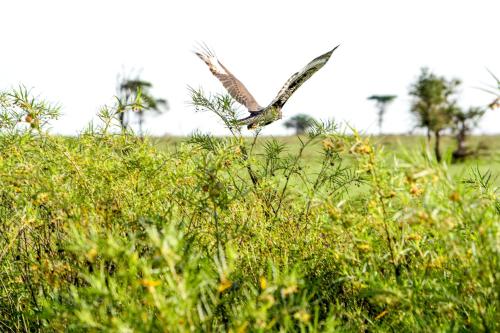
[{"x": 260, "y": 116}]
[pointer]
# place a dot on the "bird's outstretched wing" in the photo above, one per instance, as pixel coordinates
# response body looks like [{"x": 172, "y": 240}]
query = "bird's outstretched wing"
[
  {"x": 234, "y": 86},
  {"x": 297, "y": 79}
]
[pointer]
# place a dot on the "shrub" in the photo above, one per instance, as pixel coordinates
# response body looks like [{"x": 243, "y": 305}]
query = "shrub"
[{"x": 106, "y": 232}]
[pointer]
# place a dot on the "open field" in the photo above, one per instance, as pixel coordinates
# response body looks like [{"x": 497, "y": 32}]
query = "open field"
[
  {"x": 108, "y": 232},
  {"x": 396, "y": 146}
]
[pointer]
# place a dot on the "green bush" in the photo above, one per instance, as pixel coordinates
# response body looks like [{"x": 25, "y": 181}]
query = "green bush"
[{"x": 106, "y": 232}]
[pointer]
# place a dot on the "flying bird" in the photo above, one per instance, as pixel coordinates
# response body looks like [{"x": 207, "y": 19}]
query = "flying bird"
[{"x": 260, "y": 116}]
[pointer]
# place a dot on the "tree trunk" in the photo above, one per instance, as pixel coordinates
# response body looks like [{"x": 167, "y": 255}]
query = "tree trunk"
[
  {"x": 122, "y": 115},
  {"x": 121, "y": 118},
  {"x": 461, "y": 152},
  {"x": 461, "y": 136},
  {"x": 428, "y": 136},
  {"x": 380, "y": 120},
  {"x": 437, "y": 148}
]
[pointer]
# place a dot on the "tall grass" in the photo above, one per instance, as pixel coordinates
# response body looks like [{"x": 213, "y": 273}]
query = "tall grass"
[{"x": 105, "y": 232}]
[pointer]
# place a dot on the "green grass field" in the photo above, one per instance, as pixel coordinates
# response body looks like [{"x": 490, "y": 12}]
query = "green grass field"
[
  {"x": 332, "y": 232},
  {"x": 397, "y": 146}
]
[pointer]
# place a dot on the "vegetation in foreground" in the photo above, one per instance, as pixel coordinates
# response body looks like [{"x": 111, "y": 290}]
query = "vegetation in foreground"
[{"x": 107, "y": 233}]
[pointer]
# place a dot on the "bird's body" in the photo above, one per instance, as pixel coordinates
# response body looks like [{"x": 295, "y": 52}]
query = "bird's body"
[{"x": 260, "y": 116}]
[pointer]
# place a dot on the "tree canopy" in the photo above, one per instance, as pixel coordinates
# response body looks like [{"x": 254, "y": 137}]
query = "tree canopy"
[
  {"x": 137, "y": 89},
  {"x": 433, "y": 104},
  {"x": 299, "y": 122},
  {"x": 433, "y": 100}
]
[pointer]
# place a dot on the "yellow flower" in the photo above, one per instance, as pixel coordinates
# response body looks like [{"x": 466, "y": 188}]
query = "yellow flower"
[
  {"x": 302, "y": 316},
  {"x": 149, "y": 283},
  {"x": 414, "y": 237},
  {"x": 455, "y": 196},
  {"x": 372, "y": 204},
  {"x": 224, "y": 285},
  {"x": 423, "y": 217},
  {"x": 243, "y": 328},
  {"x": 437, "y": 262},
  {"x": 415, "y": 190},
  {"x": 328, "y": 144},
  {"x": 334, "y": 212},
  {"x": 262, "y": 283},
  {"x": 42, "y": 198},
  {"x": 364, "y": 247},
  {"x": 91, "y": 254},
  {"x": 364, "y": 149}
]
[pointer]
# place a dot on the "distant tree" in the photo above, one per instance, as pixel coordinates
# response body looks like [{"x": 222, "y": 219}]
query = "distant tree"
[
  {"x": 382, "y": 102},
  {"x": 299, "y": 122},
  {"x": 433, "y": 104},
  {"x": 137, "y": 89},
  {"x": 463, "y": 122}
]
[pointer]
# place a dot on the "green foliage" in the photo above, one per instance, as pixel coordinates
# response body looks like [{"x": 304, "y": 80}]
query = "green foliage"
[
  {"x": 138, "y": 91},
  {"x": 20, "y": 110},
  {"x": 220, "y": 104},
  {"x": 433, "y": 100},
  {"x": 433, "y": 104},
  {"x": 105, "y": 232},
  {"x": 467, "y": 119},
  {"x": 462, "y": 124}
]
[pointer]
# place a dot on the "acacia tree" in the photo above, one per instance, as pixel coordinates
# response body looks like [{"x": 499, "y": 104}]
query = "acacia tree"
[
  {"x": 381, "y": 103},
  {"x": 433, "y": 104},
  {"x": 137, "y": 89},
  {"x": 463, "y": 123},
  {"x": 300, "y": 123}
]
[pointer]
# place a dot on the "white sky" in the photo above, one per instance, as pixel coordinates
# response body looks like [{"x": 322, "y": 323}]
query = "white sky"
[{"x": 71, "y": 52}]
